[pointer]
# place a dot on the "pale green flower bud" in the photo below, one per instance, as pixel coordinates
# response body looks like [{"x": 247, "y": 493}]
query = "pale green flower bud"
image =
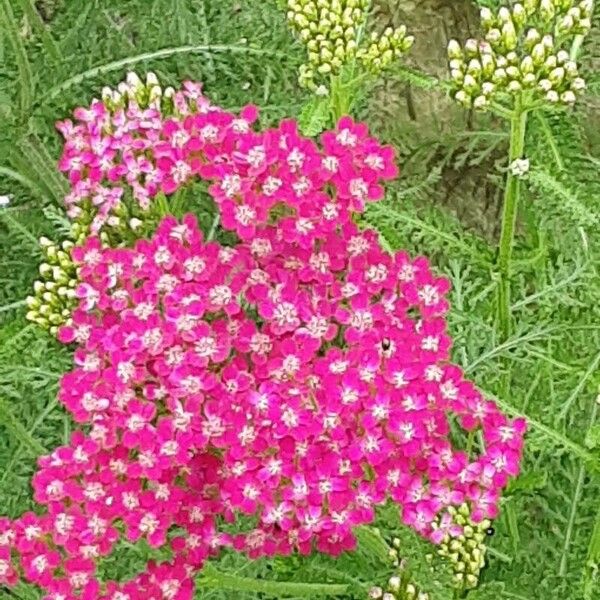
[
  {"x": 470, "y": 83},
  {"x": 547, "y": 10},
  {"x": 552, "y": 96},
  {"x": 519, "y": 15},
  {"x": 566, "y": 24},
  {"x": 568, "y": 97},
  {"x": 504, "y": 14},
  {"x": 375, "y": 593},
  {"x": 571, "y": 68},
  {"x": 471, "y": 47},
  {"x": 509, "y": 35},
  {"x": 527, "y": 65},
  {"x": 474, "y": 67},
  {"x": 578, "y": 84},
  {"x": 584, "y": 25},
  {"x": 494, "y": 36},
  {"x": 486, "y": 17},
  {"x": 562, "y": 56},
  {"x": 488, "y": 64},
  {"x": 514, "y": 86},
  {"x": 512, "y": 57},
  {"x": 538, "y": 55},
  {"x": 531, "y": 6},
  {"x": 395, "y": 583},
  {"x": 551, "y": 62},
  {"x": 488, "y": 88},
  {"x": 529, "y": 79},
  {"x": 587, "y": 7},
  {"x": 454, "y": 50},
  {"x": 532, "y": 37},
  {"x": 557, "y": 75},
  {"x": 480, "y": 102},
  {"x": 548, "y": 41},
  {"x": 471, "y": 580},
  {"x": 513, "y": 72}
]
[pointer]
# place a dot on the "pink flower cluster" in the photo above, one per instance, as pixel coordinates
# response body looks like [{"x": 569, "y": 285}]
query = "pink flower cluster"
[
  {"x": 299, "y": 379},
  {"x": 110, "y": 154}
]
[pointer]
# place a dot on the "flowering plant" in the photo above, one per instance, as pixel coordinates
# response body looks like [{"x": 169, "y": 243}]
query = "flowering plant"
[{"x": 299, "y": 378}]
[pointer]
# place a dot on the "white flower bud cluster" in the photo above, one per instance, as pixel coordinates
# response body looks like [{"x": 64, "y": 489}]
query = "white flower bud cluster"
[
  {"x": 54, "y": 297},
  {"x": 523, "y": 49},
  {"x": 466, "y": 552},
  {"x": 146, "y": 94},
  {"x": 331, "y": 31},
  {"x": 399, "y": 586}
]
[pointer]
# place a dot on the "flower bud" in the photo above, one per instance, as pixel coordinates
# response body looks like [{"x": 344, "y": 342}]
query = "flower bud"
[
  {"x": 486, "y": 17},
  {"x": 527, "y": 65},
  {"x": 584, "y": 25},
  {"x": 578, "y": 84},
  {"x": 519, "y": 15},
  {"x": 552, "y": 96},
  {"x": 532, "y": 37},
  {"x": 470, "y": 83},
  {"x": 531, "y": 6},
  {"x": 513, "y": 72},
  {"x": 488, "y": 65},
  {"x": 471, "y": 47},
  {"x": 504, "y": 14},
  {"x": 494, "y": 36},
  {"x": 557, "y": 75},
  {"x": 538, "y": 54},
  {"x": 571, "y": 68},
  {"x": 568, "y": 97},
  {"x": 547, "y": 10},
  {"x": 480, "y": 102},
  {"x": 548, "y": 41},
  {"x": 488, "y": 88},
  {"x": 514, "y": 86},
  {"x": 375, "y": 593},
  {"x": 474, "y": 67},
  {"x": 394, "y": 583},
  {"x": 566, "y": 24},
  {"x": 509, "y": 35}
]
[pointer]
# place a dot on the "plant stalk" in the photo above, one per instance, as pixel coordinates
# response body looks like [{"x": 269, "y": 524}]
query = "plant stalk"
[
  {"x": 216, "y": 579},
  {"x": 518, "y": 126}
]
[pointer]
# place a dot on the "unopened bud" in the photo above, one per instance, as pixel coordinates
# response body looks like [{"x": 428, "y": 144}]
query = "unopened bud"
[
  {"x": 480, "y": 102},
  {"x": 519, "y": 15},
  {"x": 509, "y": 35},
  {"x": 527, "y": 65},
  {"x": 568, "y": 97},
  {"x": 546, "y": 10},
  {"x": 394, "y": 583},
  {"x": 486, "y": 16}
]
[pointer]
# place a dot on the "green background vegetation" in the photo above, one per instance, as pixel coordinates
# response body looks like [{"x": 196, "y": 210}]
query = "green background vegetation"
[{"x": 547, "y": 541}]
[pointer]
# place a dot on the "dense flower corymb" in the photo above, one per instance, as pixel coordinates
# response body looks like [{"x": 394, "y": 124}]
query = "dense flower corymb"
[{"x": 300, "y": 378}]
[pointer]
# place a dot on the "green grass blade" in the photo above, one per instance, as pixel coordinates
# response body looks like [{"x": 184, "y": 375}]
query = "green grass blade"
[
  {"x": 18, "y": 431},
  {"x": 215, "y": 579},
  {"x": 38, "y": 24},
  {"x": 11, "y": 28},
  {"x": 130, "y": 61}
]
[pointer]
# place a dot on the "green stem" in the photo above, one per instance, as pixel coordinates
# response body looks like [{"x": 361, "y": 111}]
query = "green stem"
[
  {"x": 512, "y": 192},
  {"x": 215, "y": 579}
]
